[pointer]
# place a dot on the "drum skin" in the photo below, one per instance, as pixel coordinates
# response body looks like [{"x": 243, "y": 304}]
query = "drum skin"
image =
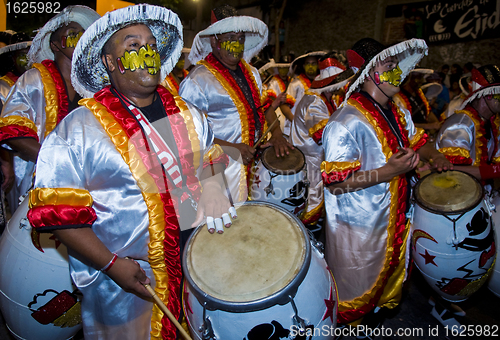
[
  {"x": 315, "y": 299},
  {"x": 287, "y": 189},
  {"x": 494, "y": 281},
  {"x": 455, "y": 262},
  {"x": 28, "y": 275}
]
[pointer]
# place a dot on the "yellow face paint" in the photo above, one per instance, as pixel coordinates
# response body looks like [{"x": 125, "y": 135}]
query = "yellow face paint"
[
  {"x": 233, "y": 47},
  {"x": 311, "y": 68},
  {"x": 22, "y": 61},
  {"x": 180, "y": 64},
  {"x": 497, "y": 97},
  {"x": 392, "y": 77},
  {"x": 71, "y": 40},
  {"x": 283, "y": 71},
  {"x": 145, "y": 58}
]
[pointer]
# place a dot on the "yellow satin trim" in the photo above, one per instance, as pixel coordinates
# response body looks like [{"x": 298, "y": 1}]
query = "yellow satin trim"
[
  {"x": 40, "y": 197},
  {"x": 18, "y": 120},
  {"x": 392, "y": 291},
  {"x": 152, "y": 199},
  {"x": 317, "y": 127},
  {"x": 401, "y": 101},
  {"x": 213, "y": 153},
  {"x": 479, "y": 135},
  {"x": 425, "y": 101},
  {"x": 9, "y": 81},
  {"x": 308, "y": 214},
  {"x": 417, "y": 137},
  {"x": 51, "y": 98},
  {"x": 193, "y": 136},
  {"x": 455, "y": 151},
  {"x": 168, "y": 83},
  {"x": 330, "y": 167},
  {"x": 306, "y": 86}
]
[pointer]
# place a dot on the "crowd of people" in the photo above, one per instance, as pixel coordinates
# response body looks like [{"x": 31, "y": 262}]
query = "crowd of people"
[{"x": 120, "y": 168}]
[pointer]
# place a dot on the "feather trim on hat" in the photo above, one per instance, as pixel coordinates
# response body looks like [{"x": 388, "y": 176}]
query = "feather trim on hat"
[
  {"x": 88, "y": 74},
  {"x": 40, "y": 48},
  {"x": 409, "y": 53},
  {"x": 255, "y": 30},
  {"x": 318, "y": 54},
  {"x": 15, "y": 47},
  {"x": 485, "y": 91}
]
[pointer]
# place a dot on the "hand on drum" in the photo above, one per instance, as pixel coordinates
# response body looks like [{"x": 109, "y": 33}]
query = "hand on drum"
[
  {"x": 403, "y": 161},
  {"x": 439, "y": 163},
  {"x": 246, "y": 152},
  {"x": 281, "y": 145},
  {"x": 216, "y": 207},
  {"x": 129, "y": 275}
]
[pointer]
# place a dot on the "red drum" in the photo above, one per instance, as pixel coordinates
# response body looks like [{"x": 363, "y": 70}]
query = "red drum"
[{"x": 452, "y": 236}]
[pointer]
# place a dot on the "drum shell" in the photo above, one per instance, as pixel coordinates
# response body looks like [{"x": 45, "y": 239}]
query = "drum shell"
[
  {"x": 317, "y": 287},
  {"x": 281, "y": 185},
  {"x": 25, "y": 272},
  {"x": 433, "y": 238},
  {"x": 494, "y": 281}
]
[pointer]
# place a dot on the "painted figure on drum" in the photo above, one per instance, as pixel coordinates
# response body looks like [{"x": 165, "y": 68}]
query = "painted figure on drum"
[
  {"x": 311, "y": 115},
  {"x": 30, "y": 113},
  {"x": 229, "y": 91},
  {"x": 370, "y": 147},
  {"x": 108, "y": 164}
]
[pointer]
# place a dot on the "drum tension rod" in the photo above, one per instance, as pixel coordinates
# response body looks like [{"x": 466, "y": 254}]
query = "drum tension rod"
[
  {"x": 207, "y": 332},
  {"x": 296, "y": 318},
  {"x": 454, "y": 221}
]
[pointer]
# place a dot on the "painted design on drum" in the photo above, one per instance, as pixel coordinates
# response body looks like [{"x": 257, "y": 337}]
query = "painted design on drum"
[
  {"x": 330, "y": 307},
  {"x": 35, "y": 239},
  {"x": 428, "y": 258},
  {"x": 63, "y": 310},
  {"x": 257, "y": 180},
  {"x": 297, "y": 195},
  {"x": 420, "y": 233},
  {"x": 268, "y": 331}
]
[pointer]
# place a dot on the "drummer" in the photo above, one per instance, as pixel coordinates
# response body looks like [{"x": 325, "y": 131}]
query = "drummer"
[
  {"x": 471, "y": 136},
  {"x": 229, "y": 91},
  {"x": 113, "y": 196},
  {"x": 370, "y": 146},
  {"x": 310, "y": 118}
]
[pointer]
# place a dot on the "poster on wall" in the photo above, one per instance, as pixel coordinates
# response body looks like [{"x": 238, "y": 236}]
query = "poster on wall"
[{"x": 443, "y": 22}]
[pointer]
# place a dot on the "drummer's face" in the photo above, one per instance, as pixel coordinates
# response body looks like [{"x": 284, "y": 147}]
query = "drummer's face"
[
  {"x": 387, "y": 74},
  {"x": 229, "y": 47},
  {"x": 493, "y": 102}
]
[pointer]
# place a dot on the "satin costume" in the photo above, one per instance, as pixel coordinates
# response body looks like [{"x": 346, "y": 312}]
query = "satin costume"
[
  {"x": 310, "y": 118},
  {"x": 6, "y": 83},
  {"x": 37, "y": 103},
  {"x": 367, "y": 233},
  {"x": 296, "y": 90},
  {"x": 171, "y": 84},
  {"x": 275, "y": 87},
  {"x": 402, "y": 100},
  {"x": 463, "y": 138},
  {"x": 96, "y": 170},
  {"x": 212, "y": 89}
]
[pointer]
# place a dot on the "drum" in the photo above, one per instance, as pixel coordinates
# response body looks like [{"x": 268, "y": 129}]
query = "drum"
[
  {"x": 494, "y": 281},
  {"x": 37, "y": 297},
  {"x": 452, "y": 235},
  {"x": 261, "y": 277},
  {"x": 281, "y": 180}
]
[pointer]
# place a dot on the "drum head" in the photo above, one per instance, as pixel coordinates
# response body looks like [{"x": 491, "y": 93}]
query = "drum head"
[
  {"x": 288, "y": 165},
  {"x": 449, "y": 191},
  {"x": 260, "y": 254}
]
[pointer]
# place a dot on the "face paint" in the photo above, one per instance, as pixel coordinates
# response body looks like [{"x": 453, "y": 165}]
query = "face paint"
[
  {"x": 311, "y": 68},
  {"x": 22, "y": 61},
  {"x": 233, "y": 47},
  {"x": 392, "y": 77},
  {"x": 146, "y": 58},
  {"x": 180, "y": 64},
  {"x": 70, "y": 40},
  {"x": 283, "y": 71}
]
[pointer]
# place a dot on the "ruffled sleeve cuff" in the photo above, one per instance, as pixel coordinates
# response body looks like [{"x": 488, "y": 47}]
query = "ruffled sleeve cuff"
[
  {"x": 215, "y": 155},
  {"x": 290, "y": 100},
  {"x": 61, "y": 208},
  {"x": 17, "y": 127},
  {"x": 419, "y": 139},
  {"x": 456, "y": 155},
  {"x": 316, "y": 132},
  {"x": 336, "y": 172}
]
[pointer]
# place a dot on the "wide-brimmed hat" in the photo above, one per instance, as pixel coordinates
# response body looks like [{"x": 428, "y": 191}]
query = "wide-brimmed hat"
[
  {"x": 485, "y": 81},
  {"x": 431, "y": 90},
  {"x": 40, "y": 48},
  {"x": 333, "y": 74},
  {"x": 465, "y": 84},
  {"x": 225, "y": 19},
  {"x": 299, "y": 61},
  {"x": 88, "y": 74},
  {"x": 367, "y": 52},
  {"x": 18, "y": 41}
]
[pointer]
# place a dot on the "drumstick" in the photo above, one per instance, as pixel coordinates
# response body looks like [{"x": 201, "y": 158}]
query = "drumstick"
[
  {"x": 401, "y": 152},
  {"x": 165, "y": 310},
  {"x": 273, "y": 124}
]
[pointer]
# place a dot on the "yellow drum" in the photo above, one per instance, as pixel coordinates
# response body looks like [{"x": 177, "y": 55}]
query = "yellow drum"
[
  {"x": 452, "y": 234},
  {"x": 262, "y": 275}
]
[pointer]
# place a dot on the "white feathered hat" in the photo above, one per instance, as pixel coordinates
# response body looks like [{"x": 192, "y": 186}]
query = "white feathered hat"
[
  {"x": 333, "y": 74},
  {"x": 40, "y": 48},
  {"x": 367, "y": 52},
  {"x": 224, "y": 20},
  {"x": 88, "y": 74},
  {"x": 485, "y": 81}
]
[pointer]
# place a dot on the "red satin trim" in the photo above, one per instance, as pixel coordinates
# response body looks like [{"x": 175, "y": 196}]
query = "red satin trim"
[
  {"x": 271, "y": 95},
  {"x": 328, "y": 104},
  {"x": 484, "y": 142},
  {"x": 317, "y": 136},
  {"x": 173, "y": 82},
  {"x": 315, "y": 217},
  {"x": 224, "y": 159},
  {"x": 11, "y": 76},
  {"x": 354, "y": 59},
  {"x": 16, "y": 131},
  {"x": 330, "y": 62},
  {"x": 306, "y": 80},
  {"x": 337, "y": 176},
  {"x": 407, "y": 102},
  {"x": 49, "y": 216},
  {"x": 171, "y": 242},
  {"x": 459, "y": 160},
  {"x": 60, "y": 88},
  {"x": 421, "y": 142}
]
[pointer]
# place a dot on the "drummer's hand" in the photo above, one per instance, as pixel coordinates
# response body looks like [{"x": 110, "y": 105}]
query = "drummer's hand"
[
  {"x": 441, "y": 163},
  {"x": 280, "y": 99},
  {"x": 129, "y": 275},
  {"x": 215, "y": 205},
  {"x": 281, "y": 145},
  {"x": 401, "y": 163},
  {"x": 241, "y": 150}
]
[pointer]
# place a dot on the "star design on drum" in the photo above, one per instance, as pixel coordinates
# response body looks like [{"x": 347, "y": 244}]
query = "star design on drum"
[
  {"x": 330, "y": 306},
  {"x": 428, "y": 258}
]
